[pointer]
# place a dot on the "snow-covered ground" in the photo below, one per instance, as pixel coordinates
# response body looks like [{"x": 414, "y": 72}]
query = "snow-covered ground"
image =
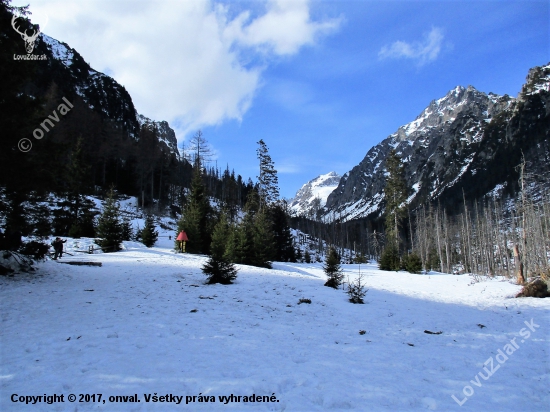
[{"x": 145, "y": 324}]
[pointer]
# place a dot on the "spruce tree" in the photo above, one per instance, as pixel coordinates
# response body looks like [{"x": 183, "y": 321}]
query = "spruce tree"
[
  {"x": 268, "y": 182},
  {"x": 356, "y": 290},
  {"x": 333, "y": 269},
  {"x": 109, "y": 228},
  {"x": 148, "y": 234},
  {"x": 218, "y": 268},
  {"x": 264, "y": 244},
  {"x": 245, "y": 234},
  {"x": 283, "y": 241},
  {"x": 389, "y": 260},
  {"x": 127, "y": 231},
  {"x": 395, "y": 195},
  {"x": 412, "y": 263},
  {"x": 195, "y": 220}
]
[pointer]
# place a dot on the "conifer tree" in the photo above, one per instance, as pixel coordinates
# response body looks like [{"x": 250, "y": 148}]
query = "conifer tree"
[
  {"x": 333, "y": 269},
  {"x": 268, "y": 182},
  {"x": 395, "y": 195},
  {"x": 389, "y": 260},
  {"x": 148, "y": 234},
  {"x": 264, "y": 245},
  {"x": 245, "y": 233},
  {"x": 127, "y": 231},
  {"x": 109, "y": 228},
  {"x": 218, "y": 268},
  {"x": 195, "y": 220},
  {"x": 283, "y": 242}
]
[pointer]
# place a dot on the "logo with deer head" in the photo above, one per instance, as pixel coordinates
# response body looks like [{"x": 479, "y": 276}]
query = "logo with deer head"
[{"x": 29, "y": 40}]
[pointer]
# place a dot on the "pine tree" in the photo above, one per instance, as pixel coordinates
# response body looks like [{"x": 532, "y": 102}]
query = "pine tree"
[
  {"x": 148, "y": 234},
  {"x": 268, "y": 182},
  {"x": 333, "y": 269},
  {"x": 244, "y": 247},
  {"x": 109, "y": 228},
  {"x": 395, "y": 194},
  {"x": 218, "y": 268},
  {"x": 356, "y": 290},
  {"x": 283, "y": 241},
  {"x": 195, "y": 220},
  {"x": 264, "y": 245},
  {"x": 389, "y": 260},
  {"x": 412, "y": 263},
  {"x": 127, "y": 231}
]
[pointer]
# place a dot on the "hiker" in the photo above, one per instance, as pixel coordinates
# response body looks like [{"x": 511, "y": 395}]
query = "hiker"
[{"x": 58, "y": 247}]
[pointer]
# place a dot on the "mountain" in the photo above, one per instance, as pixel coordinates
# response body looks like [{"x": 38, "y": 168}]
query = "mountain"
[
  {"x": 165, "y": 133},
  {"x": 100, "y": 92},
  {"x": 466, "y": 143},
  {"x": 313, "y": 195}
]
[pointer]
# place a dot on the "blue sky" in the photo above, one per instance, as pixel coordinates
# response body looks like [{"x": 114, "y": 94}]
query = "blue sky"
[{"x": 321, "y": 82}]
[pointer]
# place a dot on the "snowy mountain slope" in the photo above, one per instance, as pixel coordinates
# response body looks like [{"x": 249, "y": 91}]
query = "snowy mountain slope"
[
  {"x": 305, "y": 203},
  {"x": 462, "y": 134},
  {"x": 144, "y": 323}
]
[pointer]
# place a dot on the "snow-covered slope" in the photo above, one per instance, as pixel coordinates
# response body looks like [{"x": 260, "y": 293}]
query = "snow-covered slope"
[
  {"x": 145, "y": 324},
  {"x": 313, "y": 195}
]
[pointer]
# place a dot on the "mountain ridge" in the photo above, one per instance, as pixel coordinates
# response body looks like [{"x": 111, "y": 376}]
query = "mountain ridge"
[{"x": 445, "y": 146}]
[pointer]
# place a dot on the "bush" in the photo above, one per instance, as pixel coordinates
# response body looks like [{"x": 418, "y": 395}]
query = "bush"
[
  {"x": 389, "y": 260},
  {"x": 412, "y": 263},
  {"x": 35, "y": 250}
]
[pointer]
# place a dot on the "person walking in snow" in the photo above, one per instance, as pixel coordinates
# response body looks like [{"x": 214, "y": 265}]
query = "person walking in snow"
[{"x": 58, "y": 247}]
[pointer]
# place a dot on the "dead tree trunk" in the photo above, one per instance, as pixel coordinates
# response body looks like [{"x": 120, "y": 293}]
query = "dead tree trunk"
[{"x": 519, "y": 266}]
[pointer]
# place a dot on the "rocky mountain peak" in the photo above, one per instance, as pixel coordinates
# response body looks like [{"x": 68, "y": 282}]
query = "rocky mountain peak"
[
  {"x": 446, "y": 109},
  {"x": 313, "y": 195},
  {"x": 164, "y": 133}
]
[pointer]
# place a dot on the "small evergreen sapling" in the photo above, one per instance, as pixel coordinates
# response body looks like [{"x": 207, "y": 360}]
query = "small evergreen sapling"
[
  {"x": 390, "y": 258},
  {"x": 218, "y": 268},
  {"x": 356, "y": 290},
  {"x": 148, "y": 234},
  {"x": 127, "y": 231},
  {"x": 109, "y": 228},
  {"x": 333, "y": 269},
  {"x": 412, "y": 263}
]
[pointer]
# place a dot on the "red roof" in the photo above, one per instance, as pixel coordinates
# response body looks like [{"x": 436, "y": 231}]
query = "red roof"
[{"x": 182, "y": 236}]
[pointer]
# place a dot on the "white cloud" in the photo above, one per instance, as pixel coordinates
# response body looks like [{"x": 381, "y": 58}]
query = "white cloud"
[
  {"x": 423, "y": 52},
  {"x": 183, "y": 61}
]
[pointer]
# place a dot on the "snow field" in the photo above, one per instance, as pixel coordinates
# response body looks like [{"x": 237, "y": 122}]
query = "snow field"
[{"x": 144, "y": 323}]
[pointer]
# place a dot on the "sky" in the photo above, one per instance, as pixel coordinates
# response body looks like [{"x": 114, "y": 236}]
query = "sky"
[{"x": 321, "y": 82}]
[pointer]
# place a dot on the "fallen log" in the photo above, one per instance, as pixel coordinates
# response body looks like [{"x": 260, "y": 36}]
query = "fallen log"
[{"x": 81, "y": 263}]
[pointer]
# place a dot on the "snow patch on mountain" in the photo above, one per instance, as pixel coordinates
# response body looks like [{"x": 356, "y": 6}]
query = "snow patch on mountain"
[
  {"x": 61, "y": 51},
  {"x": 313, "y": 195}
]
